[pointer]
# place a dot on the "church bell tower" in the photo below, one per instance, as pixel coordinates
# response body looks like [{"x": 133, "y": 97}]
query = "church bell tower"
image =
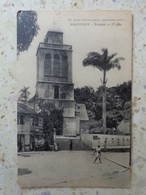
[{"x": 54, "y": 77}]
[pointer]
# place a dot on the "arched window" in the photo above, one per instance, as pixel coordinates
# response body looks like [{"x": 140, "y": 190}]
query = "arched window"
[
  {"x": 56, "y": 67},
  {"x": 64, "y": 66},
  {"x": 47, "y": 64}
]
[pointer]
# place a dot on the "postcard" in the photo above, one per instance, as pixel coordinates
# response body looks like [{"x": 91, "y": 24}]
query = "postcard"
[{"x": 74, "y": 73}]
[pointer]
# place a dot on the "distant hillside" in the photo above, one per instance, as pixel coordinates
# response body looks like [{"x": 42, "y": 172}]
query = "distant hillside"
[{"x": 118, "y": 99}]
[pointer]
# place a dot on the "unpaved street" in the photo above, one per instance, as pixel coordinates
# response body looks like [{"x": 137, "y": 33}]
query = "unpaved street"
[{"x": 72, "y": 169}]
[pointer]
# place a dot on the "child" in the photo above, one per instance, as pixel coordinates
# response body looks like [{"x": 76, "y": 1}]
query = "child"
[{"x": 98, "y": 154}]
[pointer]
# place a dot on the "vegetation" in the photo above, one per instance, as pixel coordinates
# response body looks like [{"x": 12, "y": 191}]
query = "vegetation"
[
  {"x": 52, "y": 119},
  {"x": 27, "y": 28},
  {"x": 24, "y": 94},
  {"x": 118, "y": 99},
  {"x": 104, "y": 63}
]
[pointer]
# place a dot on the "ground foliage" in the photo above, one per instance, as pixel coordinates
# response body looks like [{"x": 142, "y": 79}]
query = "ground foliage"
[
  {"x": 118, "y": 99},
  {"x": 52, "y": 119}
]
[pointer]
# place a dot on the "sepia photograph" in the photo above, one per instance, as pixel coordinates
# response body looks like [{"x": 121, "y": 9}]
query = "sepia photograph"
[{"x": 74, "y": 74}]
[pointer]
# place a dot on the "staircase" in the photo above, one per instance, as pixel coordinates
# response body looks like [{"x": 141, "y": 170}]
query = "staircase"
[
  {"x": 63, "y": 143},
  {"x": 77, "y": 144}
]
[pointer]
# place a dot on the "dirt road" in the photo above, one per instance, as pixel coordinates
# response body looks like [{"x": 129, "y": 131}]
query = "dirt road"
[{"x": 72, "y": 169}]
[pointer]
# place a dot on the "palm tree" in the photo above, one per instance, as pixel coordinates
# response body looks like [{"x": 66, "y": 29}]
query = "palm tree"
[
  {"x": 24, "y": 94},
  {"x": 104, "y": 63}
]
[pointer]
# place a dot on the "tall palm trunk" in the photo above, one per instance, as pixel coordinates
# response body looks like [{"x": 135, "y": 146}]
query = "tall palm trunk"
[
  {"x": 104, "y": 102},
  {"x": 25, "y": 97}
]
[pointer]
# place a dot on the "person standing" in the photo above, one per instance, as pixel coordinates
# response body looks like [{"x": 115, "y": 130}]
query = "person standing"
[
  {"x": 71, "y": 145},
  {"x": 98, "y": 154},
  {"x": 105, "y": 145},
  {"x": 56, "y": 146}
]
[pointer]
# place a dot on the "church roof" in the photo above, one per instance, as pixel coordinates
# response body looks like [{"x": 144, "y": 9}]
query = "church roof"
[
  {"x": 124, "y": 127},
  {"x": 81, "y": 108},
  {"x": 23, "y": 108},
  {"x": 54, "y": 29},
  {"x": 32, "y": 100}
]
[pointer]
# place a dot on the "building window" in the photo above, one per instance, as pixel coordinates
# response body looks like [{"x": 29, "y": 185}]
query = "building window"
[
  {"x": 21, "y": 120},
  {"x": 64, "y": 66},
  {"x": 47, "y": 64},
  {"x": 56, "y": 67},
  {"x": 56, "y": 92},
  {"x": 34, "y": 121}
]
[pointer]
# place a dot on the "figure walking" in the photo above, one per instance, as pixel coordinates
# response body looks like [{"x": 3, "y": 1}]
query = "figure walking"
[{"x": 98, "y": 154}]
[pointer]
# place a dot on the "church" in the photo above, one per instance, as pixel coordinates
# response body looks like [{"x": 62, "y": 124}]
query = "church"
[{"x": 54, "y": 82}]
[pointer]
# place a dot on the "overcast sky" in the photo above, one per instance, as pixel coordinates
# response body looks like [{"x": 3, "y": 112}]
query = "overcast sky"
[{"x": 84, "y": 39}]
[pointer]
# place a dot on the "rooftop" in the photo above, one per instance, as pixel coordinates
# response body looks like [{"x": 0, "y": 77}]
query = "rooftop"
[
  {"x": 54, "y": 46},
  {"x": 83, "y": 112},
  {"x": 54, "y": 29},
  {"x": 23, "y": 108}
]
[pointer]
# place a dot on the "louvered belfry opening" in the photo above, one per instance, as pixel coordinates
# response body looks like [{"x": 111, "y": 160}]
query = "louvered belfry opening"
[
  {"x": 47, "y": 64},
  {"x": 65, "y": 66},
  {"x": 56, "y": 67}
]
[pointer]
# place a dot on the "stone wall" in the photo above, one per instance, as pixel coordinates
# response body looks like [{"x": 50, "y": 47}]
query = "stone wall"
[
  {"x": 69, "y": 126},
  {"x": 112, "y": 140}
]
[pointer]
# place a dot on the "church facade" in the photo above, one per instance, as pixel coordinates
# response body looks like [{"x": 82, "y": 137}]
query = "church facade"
[{"x": 55, "y": 82}]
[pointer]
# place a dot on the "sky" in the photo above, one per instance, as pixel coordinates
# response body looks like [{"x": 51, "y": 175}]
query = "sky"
[{"x": 106, "y": 29}]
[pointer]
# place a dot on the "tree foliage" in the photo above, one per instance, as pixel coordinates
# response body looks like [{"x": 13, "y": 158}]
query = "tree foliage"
[
  {"x": 52, "y": 118},
  {"x": 56, "y": 120},
  {"x": 84, "y": 95},
  {"x": 104, "y": 63},
  {"x": 46, "y": 107},
  {"x": 27, "y": 28},
  {"x": 118, "y": 99},
  {"x": 24, "y": 94}
]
